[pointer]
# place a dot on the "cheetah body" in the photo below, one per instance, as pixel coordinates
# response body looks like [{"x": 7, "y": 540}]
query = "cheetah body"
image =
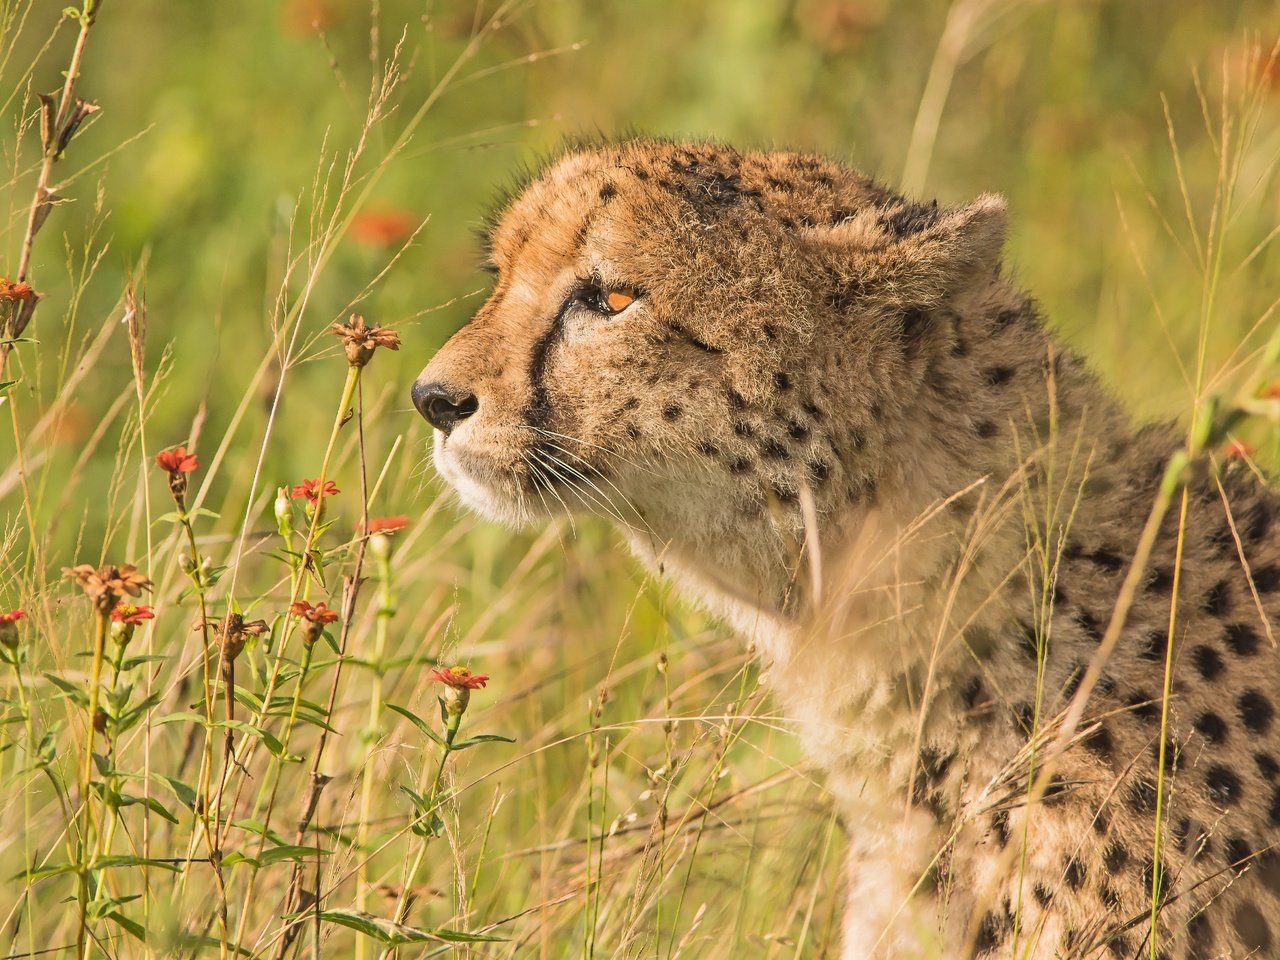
[{"x": 827, "y": 415}]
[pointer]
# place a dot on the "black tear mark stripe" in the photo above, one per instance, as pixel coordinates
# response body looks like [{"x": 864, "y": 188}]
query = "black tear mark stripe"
[
  {"x": 538, "y": 413},
  {"x": 679, "y": 330}
]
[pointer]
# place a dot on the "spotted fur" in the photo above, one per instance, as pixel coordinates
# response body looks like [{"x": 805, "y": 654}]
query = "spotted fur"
[{"x": 832, "y": 419}]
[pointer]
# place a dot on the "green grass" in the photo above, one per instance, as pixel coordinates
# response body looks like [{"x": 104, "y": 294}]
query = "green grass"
[{"x": 653, "y": 803}]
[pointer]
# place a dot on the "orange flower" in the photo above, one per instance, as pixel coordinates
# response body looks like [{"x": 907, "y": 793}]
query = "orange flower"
[
  {"x": 20, "y": 292},
  {"x": 1271, "y": 391},
  {"x": 106, "y": 584},
  {"x": 177, "y": 460},
  {"x": 9, "y": 629},
  {"x": 387, "y": 524},
  {"x": 1237, "y": 450},
  {"x": 312, "y": 490},
  {"x": 320, "y": 613},
  {"x": 459, "y": 677},
  {"x": 313, "y": 619},
  {"x": 382, "y": 228},
  {"x": 131, "y": 613}
]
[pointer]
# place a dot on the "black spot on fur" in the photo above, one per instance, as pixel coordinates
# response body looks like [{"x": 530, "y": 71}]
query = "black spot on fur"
[
  {"x": 775, "y": 449},
  {"x": 1000, "y": 828},
  {"x": 845, "y": 295},
  {"x": 679, "y": 330},
  {"x": 608, "y": 192},
  {"x": 1042, "y": 894},
  {"x": 743, "y": 429},
  {"x": 1217, "y": 602},
  {"x": 819, "y": 470},
  {"x": 1255, "y": 522},
  {"x": 1114, "y": 857},
  {"x": 973, "y": 693},
  {"x": 1267, "y": 579},
  {"x": 812, "y": 409},
  {"x": 1142, "y": 795},
  {"x": 1224, "y": 786},
  {"x": 1273, "y": 811},
  {"x": 1208, "y": 662},
  {"x": 781, "y": 381},
  {"x": 986, "y": 429},
  {"x": 797, "y": 430},
  {"x": 1212, "y": 727},
  {"x": 910, "y": 218},
  {"x": 1106, "y": 559},
  {"x": 1242, "y": 639},
  {"x": 672, "y": 411},
  {"x": 995, "y": 376},
  {"x": 1074, "y": 873},
  {"x": 1236, "y": 851},
  {"x": 1155, "y": 646},
  {"x": 1252, "y": 929},
  {"x": 707, "y": 447},
  {"x": 1200, "y": 937},
  {"x": 1088, "y": 625},
  {"x": 1099, "y": 743},
  {"x": 914, "y": 320},
  {"x": 739, "y": 465},
  {"x": 1143, "y": 706},
  {"x": 1256, "y": 711},
  {"x": 736, "y": 400},
  {"x": 1023, "y": 714},
  {"x": 1267, "y": 765}
]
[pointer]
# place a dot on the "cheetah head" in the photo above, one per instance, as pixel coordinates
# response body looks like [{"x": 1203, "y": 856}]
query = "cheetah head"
[{"x": 683, "y": 334}]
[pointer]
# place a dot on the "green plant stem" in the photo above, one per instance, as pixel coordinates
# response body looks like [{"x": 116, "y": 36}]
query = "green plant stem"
[
  {"x": 386, "y": 609},
  {"x": 410, "y": 877},
  {"x": 86, "y": 777}
]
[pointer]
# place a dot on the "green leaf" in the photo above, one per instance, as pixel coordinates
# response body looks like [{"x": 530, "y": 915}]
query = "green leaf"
[
  {"x": 290, "y": 851},
  {"x": 269, "y": 739},
  {"x": 185, "y": 716},
  {"x": 481, "y": 738},
  {"x": 185, "y": 793},
  {"x": 392, "y": 934},
  {"x": 418, "y": 722},
  {"x": 135, "y": 929},
  {"x": 75, "y": 691},
  {"x": 151, "y": 803}
]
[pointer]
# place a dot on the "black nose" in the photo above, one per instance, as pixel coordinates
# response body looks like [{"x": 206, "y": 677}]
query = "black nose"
[{"x": 443, "y": 408}]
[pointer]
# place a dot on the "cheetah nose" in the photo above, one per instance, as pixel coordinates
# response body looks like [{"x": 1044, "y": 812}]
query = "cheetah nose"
[{"x": 443, "y": 408}]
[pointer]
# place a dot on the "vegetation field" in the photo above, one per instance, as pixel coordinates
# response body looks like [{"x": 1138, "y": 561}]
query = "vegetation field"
[{"x": 261, "y": 749}]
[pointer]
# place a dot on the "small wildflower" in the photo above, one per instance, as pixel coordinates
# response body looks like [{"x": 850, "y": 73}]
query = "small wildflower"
[
  {"x": 314, "y": 618},
  {"x": 177, "y": 462},
  {"x": 1271, "y": 391},
  {"x": 106, "y": 584},
  {"x": 284, "y": 512},
  {"x": 386, "y": 525},
  {"x": 9, "y": 628},
  {"x": 312, "y": 490},
  {"x": 17, "y": 292},
  {"x": 458, "y": 683},
  {"x": 1237, "y": 450},
  {"x": 361, "y": 340},
  {"x": 125, "y": 618},
  {"x": 382, "y": 228}
]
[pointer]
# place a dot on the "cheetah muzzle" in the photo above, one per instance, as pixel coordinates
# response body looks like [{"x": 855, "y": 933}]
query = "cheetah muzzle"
[{"x": 826, "y": 413}]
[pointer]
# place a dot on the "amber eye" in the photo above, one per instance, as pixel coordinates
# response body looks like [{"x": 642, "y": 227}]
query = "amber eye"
[{"x": 618, "y": 300}]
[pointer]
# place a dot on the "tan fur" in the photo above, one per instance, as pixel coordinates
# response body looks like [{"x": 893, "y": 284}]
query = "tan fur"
[{"x": 805, "y": 343}]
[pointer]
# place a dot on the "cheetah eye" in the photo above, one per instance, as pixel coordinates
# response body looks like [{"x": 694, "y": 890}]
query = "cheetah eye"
[{"x": 607, "y": 300}]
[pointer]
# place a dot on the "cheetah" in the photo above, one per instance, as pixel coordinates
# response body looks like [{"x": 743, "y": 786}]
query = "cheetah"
[{"x": 826, "y": 413}]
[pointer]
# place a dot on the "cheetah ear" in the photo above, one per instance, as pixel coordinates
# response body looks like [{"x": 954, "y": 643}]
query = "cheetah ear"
[{"x": 918, "y": 255}]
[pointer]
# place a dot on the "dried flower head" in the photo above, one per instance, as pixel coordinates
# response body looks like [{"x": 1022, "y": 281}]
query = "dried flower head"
[
  {"x": 233, "y": 632},
  {"x": 106, "y": 585},
  {"x": 312, "y": 490},
  {"x": 9, "y": 628},
  {"x": 314, "y": 618},
  {"x": 361, "y": 340}
]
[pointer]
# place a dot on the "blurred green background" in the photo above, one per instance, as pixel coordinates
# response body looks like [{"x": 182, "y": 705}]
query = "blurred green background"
[{"x": 217, "y": 119}]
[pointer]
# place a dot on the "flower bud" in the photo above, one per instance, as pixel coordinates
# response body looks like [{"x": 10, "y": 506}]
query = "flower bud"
[
  {"x": 380, "y": 546},
  {"x": 187, "y": 564},
  {"x": 456, "y": 700},
  {"x": 284, "y": 512},
  {"x": 9, "y": 628}
]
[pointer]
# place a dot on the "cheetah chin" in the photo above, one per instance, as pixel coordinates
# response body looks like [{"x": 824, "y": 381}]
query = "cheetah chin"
[{"x": 828, "y": 415}]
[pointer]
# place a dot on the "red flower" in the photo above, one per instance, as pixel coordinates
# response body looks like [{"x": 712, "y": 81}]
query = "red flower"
[
  {"x": 319, "y": 613},
  {"x": 312, "y": 490},
  {"x": 1272, "y": 391},
  {"x": 131, "y": 613},
  {"x": 8, "y": 630},
  {"x": 459, "y": 677},
  {"x": 1237, "y": 450},
  {"x": 387, "y": 524},
  {"x": 13, "y": 616},
  {"x": 177, "y": 460},
  {"x": 22, "y": 292},
  {"x": 382, "y": 228}
]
